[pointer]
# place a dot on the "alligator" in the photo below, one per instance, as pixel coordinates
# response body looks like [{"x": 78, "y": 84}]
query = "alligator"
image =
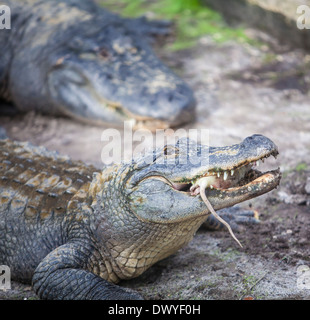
[
  {"x": 74, "y": 58},
  {"x": 74, "y": 231}
]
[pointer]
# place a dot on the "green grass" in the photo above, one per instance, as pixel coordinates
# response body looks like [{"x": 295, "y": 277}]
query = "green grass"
[
  {"x": 301, "y": 167},
  {"x": 192, "y": 19},
  {"x": 249, "y": 282}
]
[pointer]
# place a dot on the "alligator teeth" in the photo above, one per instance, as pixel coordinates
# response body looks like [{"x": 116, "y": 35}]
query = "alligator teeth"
[
  {"x": 225, "y": 175},
  {"x": 232, "y": 172},
  {"x": 257, "y": 162}
]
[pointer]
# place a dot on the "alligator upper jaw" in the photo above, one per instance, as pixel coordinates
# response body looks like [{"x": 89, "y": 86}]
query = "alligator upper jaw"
[{"x": 244, "y": 182}]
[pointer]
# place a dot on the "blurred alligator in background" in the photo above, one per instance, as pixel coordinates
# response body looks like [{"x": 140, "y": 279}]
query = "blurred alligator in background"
[
  {"x": 75, "y": 232},
  {"x": 77, "y": 59}
]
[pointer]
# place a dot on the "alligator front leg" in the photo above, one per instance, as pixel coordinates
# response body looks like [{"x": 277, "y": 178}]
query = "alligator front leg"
[{"x": 62, "y": 275}]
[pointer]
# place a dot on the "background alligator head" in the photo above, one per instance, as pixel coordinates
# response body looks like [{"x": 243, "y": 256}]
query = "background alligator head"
[{"x": 96, "y": 67}]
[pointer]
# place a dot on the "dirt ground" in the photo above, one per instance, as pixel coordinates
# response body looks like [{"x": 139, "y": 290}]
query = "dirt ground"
[{"x": 241, "y": 90}]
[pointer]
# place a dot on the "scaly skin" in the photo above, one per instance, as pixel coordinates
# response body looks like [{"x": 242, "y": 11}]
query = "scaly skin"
[
  {"x": 76, "y": 59},
  {"x": 75, "y": 232}
]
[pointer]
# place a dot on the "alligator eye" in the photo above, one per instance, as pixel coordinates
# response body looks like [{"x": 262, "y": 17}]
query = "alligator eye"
[
  {"x": 104, "y": 53},
  {"x": 170, "y": 150}
]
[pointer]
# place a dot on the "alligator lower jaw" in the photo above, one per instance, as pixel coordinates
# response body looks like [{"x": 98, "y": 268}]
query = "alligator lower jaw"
[
  {"x": 261, "y": 183},
  {"x": 149, "y": 124}
]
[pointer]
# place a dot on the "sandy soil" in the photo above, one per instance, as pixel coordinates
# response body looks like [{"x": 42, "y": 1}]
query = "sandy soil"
[{"x": 241, "y": 90}]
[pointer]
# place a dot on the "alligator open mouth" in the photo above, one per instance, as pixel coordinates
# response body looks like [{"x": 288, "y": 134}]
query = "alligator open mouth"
[
  {"x": 241, "y": 180},
  {"x": 195, "y": 180},
  {"x": 243, "y": 176}
]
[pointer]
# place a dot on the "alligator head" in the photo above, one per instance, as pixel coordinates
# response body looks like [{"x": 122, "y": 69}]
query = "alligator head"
[
  {"x": 95, "y": 67},
  {"x": 161, "y": 209},
  {"x": 172, "y": 178}
]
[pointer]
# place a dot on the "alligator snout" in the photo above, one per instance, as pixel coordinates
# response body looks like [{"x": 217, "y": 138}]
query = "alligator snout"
[
  {"x": 171, "y": 106},
  {"x": 261, "y": 144}
]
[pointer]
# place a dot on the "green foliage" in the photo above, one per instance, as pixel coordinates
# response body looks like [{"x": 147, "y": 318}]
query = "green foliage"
[
  {"x": 192, "y": 19},
  {"x": 302, "y": 166}
]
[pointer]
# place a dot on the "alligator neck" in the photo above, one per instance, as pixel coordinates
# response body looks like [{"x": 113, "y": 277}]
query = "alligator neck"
[{"x": 130, "y": 244}]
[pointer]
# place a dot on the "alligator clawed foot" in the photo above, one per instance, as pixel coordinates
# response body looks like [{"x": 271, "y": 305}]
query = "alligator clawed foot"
[{"x": 237, "y": 218}]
